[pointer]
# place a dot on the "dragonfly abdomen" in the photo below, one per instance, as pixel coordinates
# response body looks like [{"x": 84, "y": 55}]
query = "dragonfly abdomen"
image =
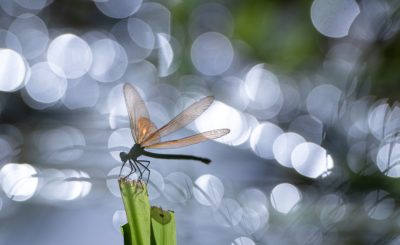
[{"x": 176, "y": 157}]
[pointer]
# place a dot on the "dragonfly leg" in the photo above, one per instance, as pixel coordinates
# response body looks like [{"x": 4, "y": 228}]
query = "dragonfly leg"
[
  {"x": 138, "y": 168},
  {"x": 146, "y": 168},
  {"x": 120, "y": 171},
  {"x": 133, "y": 169}
]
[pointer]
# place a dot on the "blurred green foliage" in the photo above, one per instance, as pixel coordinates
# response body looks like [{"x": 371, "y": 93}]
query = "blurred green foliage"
[{"x": 279, "y": 34}]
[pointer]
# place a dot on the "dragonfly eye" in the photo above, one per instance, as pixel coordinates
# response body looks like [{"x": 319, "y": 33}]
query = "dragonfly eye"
[{"x": 123, "y": 156}]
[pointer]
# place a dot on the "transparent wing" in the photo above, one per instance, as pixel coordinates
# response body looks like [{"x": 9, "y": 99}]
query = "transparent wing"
[
  {"x": 184, "y": 118},
  {"x": 139, "y": 120},
  {"x": 145, "y": 129},
  {"x": 191, "y": 140}
]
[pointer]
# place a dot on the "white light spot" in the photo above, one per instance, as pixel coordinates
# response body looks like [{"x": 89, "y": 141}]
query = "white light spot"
[
  {"x": 252, "y": 195},
  {"x": 143, "y": 74},
  {"x": 178, "y": 187},
  {"x": 311, "y": 160},
  {"x": 229, "y": 213},
  {"x": 165, "y": 55},
  {"x": 76, "y": 188},
  {"x": 44, "y": 85},
  {"x": 285, "y": 197},
  {"x": 250, "y": 122},
  {"x": 256, "y": 200},
  {"x": 64, "y": 185},
  {"x": 11, "y": 7},
  {"x": 324, "y": 102},
  {"x": 134, "y": 51},
  {"x": 70, "y": 56},
  {"x": 377, "y": 120},
  {"x": 53, "y": 187},
  {"x": 208, "y": 190},
  {"x": 157, "y": 16},
  {"x": 243, "y": 241},
  {"x": 333, "y": 18},
  {"x": 116, "y": 102},
  {"x": 119, "y": 219},
  {"x": 249, "y": 223},
  {"x": 32, "y": 33},
  {"x": 109, "y": 60},
  {"x": 18, "y": 181},
  {"x": 141, "y": 33},
  {"x": 118, "y": 9},
  {"x": 392, "y": 128},
  {"x": 220, "y": 115},
  {"x": 283, "y": 147},
  {"x": 388, "y": 158},
  {"x": 120, "y": 140},
  {"x": 262, "y": 139},
  {"x": 212, "y": 53},
  {"x": 12, "y": 70},
  {"x": 86, "y": 185},
  {"x": 262, "y": 88},
  {"x": 10, "y": 41}
]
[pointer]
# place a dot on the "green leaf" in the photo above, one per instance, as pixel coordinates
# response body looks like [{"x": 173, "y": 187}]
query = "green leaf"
[
  {"x": 137, "y": 208},
  {"x": 127, "y": 234},
  {"x": 163, "y": 231}
]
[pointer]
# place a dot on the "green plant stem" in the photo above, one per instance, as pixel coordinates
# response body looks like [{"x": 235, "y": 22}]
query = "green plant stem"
[
  {"x": 137, "y": 208},
  {"x": 163, "y": 231},
  {"x": 145, "y": 226}
]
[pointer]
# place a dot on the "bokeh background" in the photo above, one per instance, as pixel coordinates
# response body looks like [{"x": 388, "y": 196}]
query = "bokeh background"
[{"x": 309, "y": 90}]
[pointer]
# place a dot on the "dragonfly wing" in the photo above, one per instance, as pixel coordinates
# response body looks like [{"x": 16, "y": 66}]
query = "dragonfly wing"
[
  {"x": 145, "y": 129},
  {"x": 184, "y": 118},
  {"x": 190, "y": 140},
  {"x": 139, "y": 119}
]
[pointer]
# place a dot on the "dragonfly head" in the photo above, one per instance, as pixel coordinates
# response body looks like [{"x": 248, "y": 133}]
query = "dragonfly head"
[{"x": 123, "y": 156}]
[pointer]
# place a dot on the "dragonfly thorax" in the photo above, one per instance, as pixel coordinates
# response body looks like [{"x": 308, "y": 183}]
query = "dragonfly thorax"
[{"x": 135, "y": 152}]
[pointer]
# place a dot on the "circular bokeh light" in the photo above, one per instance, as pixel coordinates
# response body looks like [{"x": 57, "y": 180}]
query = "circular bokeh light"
[
  {"x": 208, "y": 190},
  {"x": 212, "y": 53},
  {"x": 12, "y": 70},
  {"x": 69, "y": 56}
]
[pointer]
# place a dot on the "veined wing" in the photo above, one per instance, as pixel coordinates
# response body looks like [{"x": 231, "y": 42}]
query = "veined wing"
[
  {"x": 145, "y": 129},
  {"x": 194, "y": 139},
  {"x": 141, "y": 126},
  {"x": 181, "y": 120}
]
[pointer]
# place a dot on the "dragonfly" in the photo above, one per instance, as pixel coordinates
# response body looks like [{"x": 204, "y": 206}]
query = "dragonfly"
[{"x": 147, "y": 136}]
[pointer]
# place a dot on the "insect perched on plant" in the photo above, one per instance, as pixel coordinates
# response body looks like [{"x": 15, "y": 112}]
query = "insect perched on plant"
[{"x": 146, "y": 135}]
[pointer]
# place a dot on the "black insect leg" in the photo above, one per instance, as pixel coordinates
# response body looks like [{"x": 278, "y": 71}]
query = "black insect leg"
[
  {"x": 146, "y": 168},
  {"x": 120, "y": 171},
  {"x": 133, "y": 169},
  {"x": 140, "y": 171}
]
